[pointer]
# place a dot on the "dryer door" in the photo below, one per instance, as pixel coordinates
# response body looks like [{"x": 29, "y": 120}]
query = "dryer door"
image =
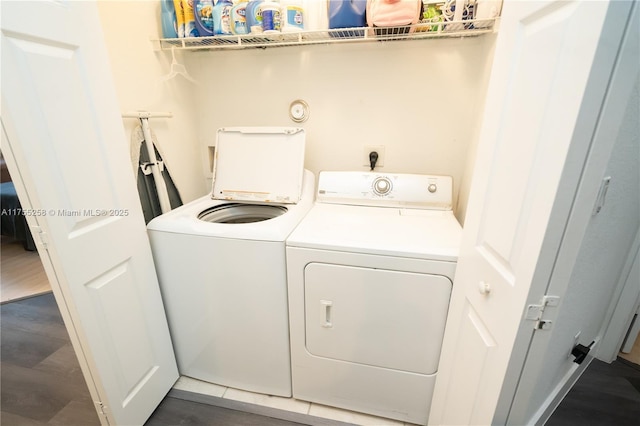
[{"x": 376, "y": 317}]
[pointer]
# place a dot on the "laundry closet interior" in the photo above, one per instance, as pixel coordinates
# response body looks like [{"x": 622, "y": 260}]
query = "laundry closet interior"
[
  {"x": 417, "y": 100},
  {"x": 418, "y": 97}
]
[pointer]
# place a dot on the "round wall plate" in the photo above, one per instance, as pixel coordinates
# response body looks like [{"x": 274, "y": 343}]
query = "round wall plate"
[{"x": 299, "y": 111}]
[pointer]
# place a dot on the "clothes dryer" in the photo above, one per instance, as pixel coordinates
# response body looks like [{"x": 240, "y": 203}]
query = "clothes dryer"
[
  {"x": 221, "y": 262},
  {"x": 370, "y": 271}
]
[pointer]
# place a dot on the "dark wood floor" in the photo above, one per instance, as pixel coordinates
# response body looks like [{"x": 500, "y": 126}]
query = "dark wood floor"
[
  {"x": 606, "y": 394},
  {"x": 41, "y": 383},
  {"x": 40, "y": 379},
  {"x": 175, "y": 411}
]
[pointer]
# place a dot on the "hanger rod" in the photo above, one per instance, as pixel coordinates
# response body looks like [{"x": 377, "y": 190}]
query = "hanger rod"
[{"x": 146, "y": 114}]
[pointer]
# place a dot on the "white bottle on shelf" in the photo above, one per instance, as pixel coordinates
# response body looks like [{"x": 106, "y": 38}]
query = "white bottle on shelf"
[
  {"x": 293, "y": 15},
  {"x": 271, "y": 16},
  {"x": 315, "y": 16}
]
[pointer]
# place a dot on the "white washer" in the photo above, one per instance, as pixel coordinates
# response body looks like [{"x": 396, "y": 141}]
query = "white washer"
[
  {"x": 221, "y": 263},
  {"x": 370, "y": 271}
]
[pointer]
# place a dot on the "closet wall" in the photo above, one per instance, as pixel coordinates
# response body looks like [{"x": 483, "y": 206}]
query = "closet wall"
[{"x": 421, "y": 99}]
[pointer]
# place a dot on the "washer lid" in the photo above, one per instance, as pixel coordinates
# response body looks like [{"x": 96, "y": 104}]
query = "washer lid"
[{"x": 262, "y": 164}]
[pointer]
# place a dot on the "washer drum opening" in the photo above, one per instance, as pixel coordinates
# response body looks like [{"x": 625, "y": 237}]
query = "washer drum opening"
[{"x": 241, "y": 213}]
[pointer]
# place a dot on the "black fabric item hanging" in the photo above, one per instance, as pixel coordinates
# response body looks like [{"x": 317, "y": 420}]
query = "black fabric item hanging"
[{"x": 147, "y": 187}]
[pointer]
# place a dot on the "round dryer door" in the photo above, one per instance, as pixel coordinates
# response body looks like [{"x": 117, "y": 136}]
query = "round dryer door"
[{"x": 241, "y": 213}]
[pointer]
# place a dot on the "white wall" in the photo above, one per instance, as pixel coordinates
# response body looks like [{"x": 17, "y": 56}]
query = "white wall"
[
  {"x": 422, "y": 99},
  {"x": 128, "y": 27}
]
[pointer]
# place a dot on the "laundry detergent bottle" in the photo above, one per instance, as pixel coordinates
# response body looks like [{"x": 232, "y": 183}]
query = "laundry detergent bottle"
[
  {"x": 293, "y": 15},
  {"x": 168, "y": 19},
  {"x": 239, "y": 18},
  {"x": 254, "y": 16},
  {"x": 222, "y": 17},
  {"x": 203, "y": 11},
  {"x": 179, "y": 11},
  {"x": 271, "y": 12},
  {"x": 315, "y": 15},
  {"x": 190, "y": 29},
  {"x": 347, "y": 14}
]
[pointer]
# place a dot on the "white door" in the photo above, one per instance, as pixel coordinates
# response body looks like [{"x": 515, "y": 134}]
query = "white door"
[
  {"x": 66, "y": 149},
  {"x": 545, "y": 92},
  {"x": 597, "y": 243}
]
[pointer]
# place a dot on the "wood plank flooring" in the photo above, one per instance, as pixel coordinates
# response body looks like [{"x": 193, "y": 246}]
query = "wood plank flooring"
[
  {"x": 175, "y": 411},
  {"x": 605, "y": 395},
  {"x": 21, "y": 272},
  {"x": 40, "y": 379},
  {"x": 634, "y": 355},
  {"x": 41, "y": 383}
]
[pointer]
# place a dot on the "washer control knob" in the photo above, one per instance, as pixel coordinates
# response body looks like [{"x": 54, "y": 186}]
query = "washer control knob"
[
  {"x": 432, "y": 188},
  {"x": 382, "y": 186}
]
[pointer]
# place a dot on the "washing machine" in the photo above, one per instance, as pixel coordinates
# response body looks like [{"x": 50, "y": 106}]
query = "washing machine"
[
  {"x": 370, "y": 271},
  {"x": 220, "y": 262}
]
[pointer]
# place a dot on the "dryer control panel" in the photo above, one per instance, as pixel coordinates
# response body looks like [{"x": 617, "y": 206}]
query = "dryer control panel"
[{"x": 386, "y": 190}]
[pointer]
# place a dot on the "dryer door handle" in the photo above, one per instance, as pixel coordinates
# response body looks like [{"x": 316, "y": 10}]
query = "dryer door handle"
[{"x": 325, "y": 313}]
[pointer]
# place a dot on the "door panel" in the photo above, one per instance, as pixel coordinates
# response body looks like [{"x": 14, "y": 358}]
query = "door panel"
[
  {"x": 69, "y": 157},
  {"x": 474, "y": 339},
  {"x": 115, "y": 305},
  {"x": 543, "y": 60},
  {"x": 72, "y": 109},
  {"x": 521, "y": 162}
]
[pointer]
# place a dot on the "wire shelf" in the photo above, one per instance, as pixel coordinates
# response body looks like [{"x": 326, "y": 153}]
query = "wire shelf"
[{"x": 422, "y": 30}]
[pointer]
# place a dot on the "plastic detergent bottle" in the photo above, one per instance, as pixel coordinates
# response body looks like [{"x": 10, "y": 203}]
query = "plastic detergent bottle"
[
  {"x": 293, "y": 15},
  {"x": 239, "y": 18},
  {"x": 222, "y": 17},
  {"x": 168, "y": 19},
  {"x": 189, "y": 19},
  {"x": 203, "y": 10},
  {"x": 254, "y": 16},
  {"x": 347, "y": 13},
  {"x": 315, "y": 15},
  {"x": 177, "y": 5},
  {"x": 271, "y": 17}
]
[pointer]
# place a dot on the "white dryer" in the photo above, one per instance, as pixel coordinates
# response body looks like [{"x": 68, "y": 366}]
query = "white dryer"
[
  {"x": 370, "y": 271},
  {"x": 221, "y": 262}
]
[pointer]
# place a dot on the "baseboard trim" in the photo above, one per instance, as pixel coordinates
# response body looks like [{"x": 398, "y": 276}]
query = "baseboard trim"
[{"x": 28, "y": 296}]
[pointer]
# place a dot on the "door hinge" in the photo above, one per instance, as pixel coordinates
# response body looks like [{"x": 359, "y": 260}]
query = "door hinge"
[
  {"x": 40, "y": 235},
  {"x": 534, "y": 312},
  {"x": 602, "y": 194},
  {"x": 101, "y": 408}
]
